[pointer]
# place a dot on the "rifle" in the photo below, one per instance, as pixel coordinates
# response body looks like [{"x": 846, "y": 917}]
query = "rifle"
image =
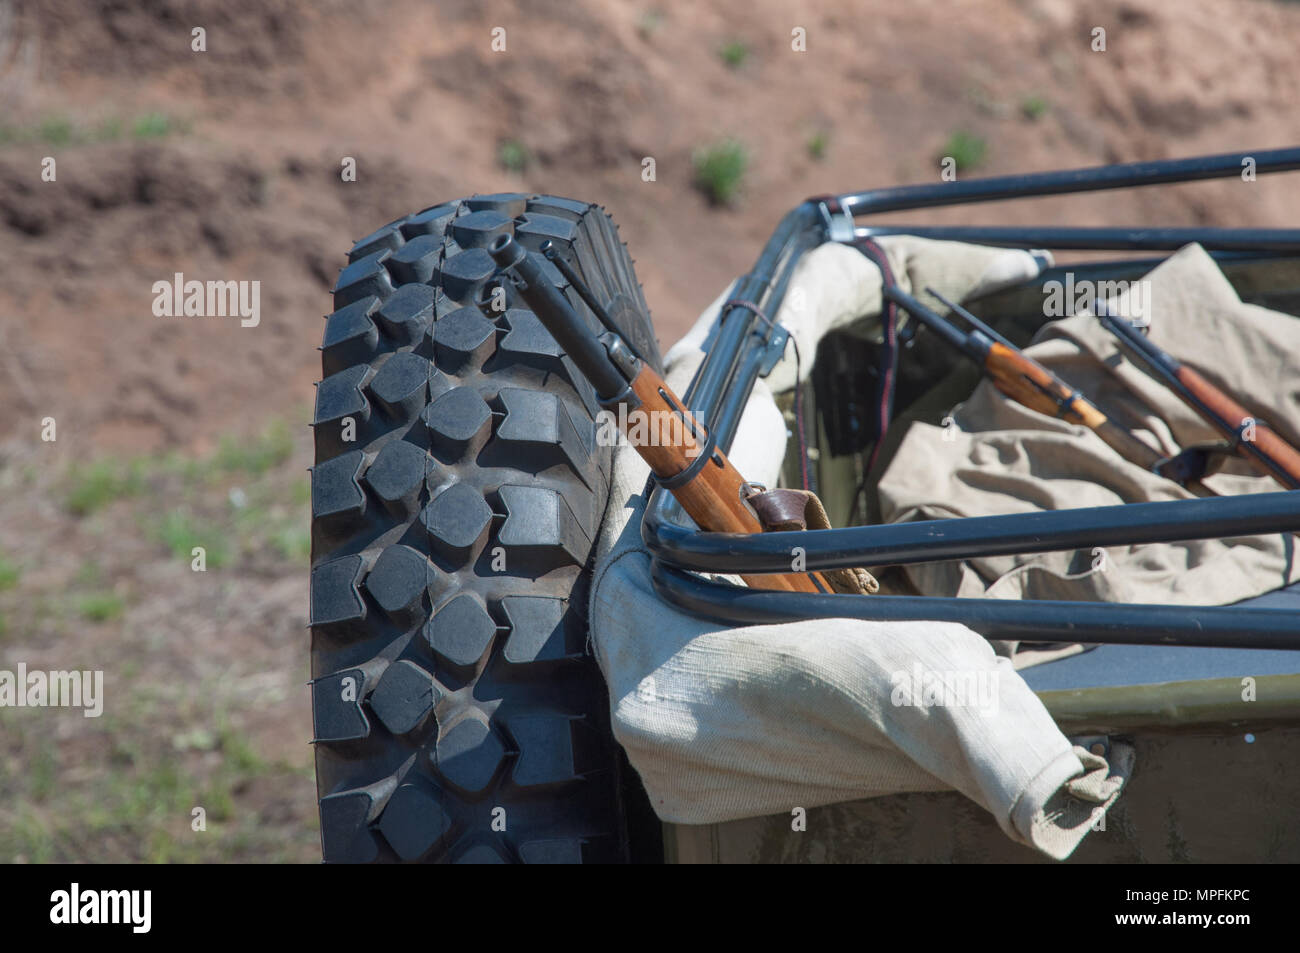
[
  {"x": 680, "y": 451},
  {"x": 1261, "y": 445},
  {"x": 1027, "y": 382}
]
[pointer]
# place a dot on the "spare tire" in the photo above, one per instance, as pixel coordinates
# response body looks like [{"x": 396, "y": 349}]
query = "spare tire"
[{"x": 456, "y": 499}]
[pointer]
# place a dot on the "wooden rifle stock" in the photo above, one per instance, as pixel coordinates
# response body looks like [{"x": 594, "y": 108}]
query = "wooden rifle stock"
[
  {"x": 1026, "y": 381},
  {"x": 666, "y": 438},
  {"x": 1253, "y": 440},
  {"x": 1283, "y": 456}
]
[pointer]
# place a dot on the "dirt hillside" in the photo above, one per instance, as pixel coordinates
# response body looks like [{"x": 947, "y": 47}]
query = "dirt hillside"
[{"x": 227, "y": 162}]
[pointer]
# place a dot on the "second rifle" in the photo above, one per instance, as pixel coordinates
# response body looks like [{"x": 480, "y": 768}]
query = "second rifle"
[
  {"x": 1027, "y": 382},
  {"x": 1255, "y": 441}
]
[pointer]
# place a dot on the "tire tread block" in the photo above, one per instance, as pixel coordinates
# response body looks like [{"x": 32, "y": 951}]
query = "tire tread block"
[
  {"x": 459, "y": 422},
  {"x": 551, "y": 749},
  {"x": 363, "y": 278},
  {"x": 479, "y": 229},
  {"x": 336, "y": 592},
  {"x": 432, "y": 221},
  {"x": 407, "y": 314},
  {"x": 351, "y": 336},
  {"x": 404, "y": 697},
  {"x": 540, "y": 523},
  {"x": 542, "y": 629},
  {"x": 509, "y": 204},
  {"x": 465, "y": 272},
  {"x": 528, "y": 342},
  {"x": 538, "y": 228},
  {"x": 340, "y": 395},
  {"x": 417, "y": 261},
  {"x": 458, "y": 521},
  {"x": 389, "y": 237},
  {"x": 336, "y": 487},
  {"x": 461, "y": 631},
  {"x": 398, "y": 582},
  {"x": 463, "y": 340},
  {"x": 346, "y": 837},
  {"x": 469, "y": 754},
  {"x": 413, "y": 822},
  {"x": 397, "y": 475},
  {"x": 336, "y": 717},
  {"x": 401, "y": 385},
  {"x": 538, "y": 423},
  {"x": 559, "y": 207}
]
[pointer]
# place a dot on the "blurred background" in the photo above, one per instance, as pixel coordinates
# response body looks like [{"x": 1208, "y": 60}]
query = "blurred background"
[{"x": 224, "y": 164}]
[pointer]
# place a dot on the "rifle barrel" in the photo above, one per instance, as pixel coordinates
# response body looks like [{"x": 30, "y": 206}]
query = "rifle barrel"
[
  {"x": 1270, "y": 453},
  {"x": 975, "y": 346},
  {"x": 1163, "y": 363},
  {"x": 971, "y": 319},
  {"x": 569, "y": 330}
]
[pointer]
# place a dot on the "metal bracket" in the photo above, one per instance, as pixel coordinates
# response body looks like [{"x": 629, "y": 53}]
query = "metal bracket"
[
  {"x": 621, "y": 354},
  {"x": 839, "y": 225},
  {"x": 774, "y": 350}
]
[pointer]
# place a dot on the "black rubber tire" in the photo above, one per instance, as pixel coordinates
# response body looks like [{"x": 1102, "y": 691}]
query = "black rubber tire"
[{"x": 459, "y": 714}]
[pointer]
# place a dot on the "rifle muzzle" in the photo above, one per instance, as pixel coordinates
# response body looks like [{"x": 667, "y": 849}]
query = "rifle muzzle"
[{"x": 573, "y": 334}]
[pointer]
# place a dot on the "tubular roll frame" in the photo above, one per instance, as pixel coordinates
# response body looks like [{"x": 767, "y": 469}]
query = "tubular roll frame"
[{"x": 733, "y": 361}]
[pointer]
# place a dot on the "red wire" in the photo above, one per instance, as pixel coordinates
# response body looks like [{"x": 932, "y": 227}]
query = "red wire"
[{"x": 890, "y": 314}]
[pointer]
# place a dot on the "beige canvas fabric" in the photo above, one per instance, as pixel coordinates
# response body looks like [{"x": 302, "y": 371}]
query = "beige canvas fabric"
[
  {"x": 1000, "y": 457},
  {"x": 730, "y": 722},
  {"x": 725, "y": 722}
]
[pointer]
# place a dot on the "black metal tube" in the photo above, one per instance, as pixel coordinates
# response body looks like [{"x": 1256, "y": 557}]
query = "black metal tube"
[
  {"x": 1015, "y": 619},
  {"x": 554, "y": 311},
  {"x": 974, "y": 536},
  {"x": 552, "y": 254},
  {"x": 1101, "y": 239},
  {"x": 732, "y": 407},
  {"x": 801, "y": 229},
  {"x": 1091, "y": 179}
]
